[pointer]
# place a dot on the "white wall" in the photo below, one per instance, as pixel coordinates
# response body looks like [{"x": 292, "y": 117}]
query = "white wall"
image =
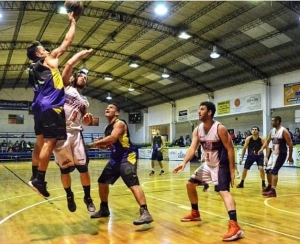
[
  {"x": 160, "y": 114},
  {"x": 277, "y": 82}
]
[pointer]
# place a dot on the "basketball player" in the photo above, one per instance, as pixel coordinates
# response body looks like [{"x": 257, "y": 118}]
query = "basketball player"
[
  {"x": 71, "y": 154},
  {"x": 280, "y": 139},
  {"x": 253, "y": 143},
  {"x": 47, "y": 106},
  {"x": 219, "y": 167},
  {"x": 123, "y": 162},
  {"x": 158, "y": 143}
]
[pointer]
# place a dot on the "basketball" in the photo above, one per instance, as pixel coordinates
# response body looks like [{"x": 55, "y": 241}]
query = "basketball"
[{"x": 74, "y": 6}]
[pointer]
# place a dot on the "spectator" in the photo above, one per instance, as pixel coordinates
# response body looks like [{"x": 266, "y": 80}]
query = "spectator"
[
  {"x": 180, "y": 141},
  {"x": 291, "y": 134},
  {"x": 188, "y": 140},
  {"x": 238, "y": 138},
  {"x": 297, "y": 135}
]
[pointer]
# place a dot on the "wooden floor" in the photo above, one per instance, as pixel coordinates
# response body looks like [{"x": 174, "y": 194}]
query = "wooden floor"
[{"x": 27, "y": 218}]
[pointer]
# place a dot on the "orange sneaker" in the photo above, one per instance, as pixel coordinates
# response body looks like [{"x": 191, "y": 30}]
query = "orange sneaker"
[
  {"x": 193, "y": 216},
  {"x": 234, "y": 231}
]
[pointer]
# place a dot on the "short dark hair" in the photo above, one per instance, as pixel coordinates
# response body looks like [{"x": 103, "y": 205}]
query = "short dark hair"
[
  {"x": 278, "y": 118},
  {"x": 31, "y": 50},
  {"x": 210, "y": 106},
  {"x": 255, "y": 126},
  {"x": 117, "y": 106}
]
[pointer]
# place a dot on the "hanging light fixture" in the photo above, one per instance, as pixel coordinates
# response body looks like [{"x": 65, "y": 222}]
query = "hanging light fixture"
[
  {"x": 165, "y": 74},
  {"x": 84, "y": 69},
  {"x": 133, "y": 64},
  {"x": 108, "y": 96},
  {"x": 108, "y": 77},
  {"x": 131, "y": 88},
  {"x": 214, "y": 53}
]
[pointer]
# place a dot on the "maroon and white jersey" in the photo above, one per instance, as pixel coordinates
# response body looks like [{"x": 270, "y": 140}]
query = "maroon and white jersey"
[
  {"x": 212, "y": 146},
  {"x": 75, "y": 108}
]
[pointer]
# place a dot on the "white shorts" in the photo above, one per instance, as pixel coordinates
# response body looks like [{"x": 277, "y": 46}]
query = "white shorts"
[
  {"x": 206, "y": 174},
  {"x": 70, "y": 152}
]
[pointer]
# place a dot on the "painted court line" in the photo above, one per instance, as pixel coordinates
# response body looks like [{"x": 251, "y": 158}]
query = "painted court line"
[{"x": 220, "y": 216}]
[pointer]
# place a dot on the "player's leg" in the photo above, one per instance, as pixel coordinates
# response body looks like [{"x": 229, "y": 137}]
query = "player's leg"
[
  {"x": 223, "y": 175},
  {"x": 249, "y": 162},
  {"x": 129, "y": 175},
  {"x": 108, "y": 176}
]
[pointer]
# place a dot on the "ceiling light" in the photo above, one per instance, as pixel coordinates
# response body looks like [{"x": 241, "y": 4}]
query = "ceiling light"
[
  {"x": 165, "y": 74},
  {"x": 184, "y": 35},
  {"x": 62, "y": 10},
  {"x": 161, "y": 9},
  {"x": 108, "y": 77},
  {"x": 131, "y": 88},
  {"x": 1, "y": 15},
  {"x": 214, "y": 53},
  {"x": 108, "y": 96},
  {"x": 84, "y": 69},
  {"x": 133, "y": 64}
]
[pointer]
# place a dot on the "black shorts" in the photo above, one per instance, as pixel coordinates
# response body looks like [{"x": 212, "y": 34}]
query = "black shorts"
[
  {"x": 51, "y": 124},
  {"x": 157, "y": 155},
  {"x": 259, "y": 159},
  {"x": 126, "y": 170}
]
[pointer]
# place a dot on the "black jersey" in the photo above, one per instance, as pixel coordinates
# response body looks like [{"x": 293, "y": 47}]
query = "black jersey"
[{"x": 254, "y": 146}]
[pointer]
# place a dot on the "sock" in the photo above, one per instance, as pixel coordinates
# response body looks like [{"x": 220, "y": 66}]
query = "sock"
[
  {"x": 87, "y": 191},
  {"x": 242, "y": 182},
  {"x": 232, "y": 215},
  {"x": 40, "y": 176},
  {"x": 104, "y": 204},
  {"x": 34, "y": 170},
  {"x": 273, "y": 187},
  {"x": 144, "y": 207},
  {"x": 68, "y": 191},
  {"x": 195, "y": 206}
]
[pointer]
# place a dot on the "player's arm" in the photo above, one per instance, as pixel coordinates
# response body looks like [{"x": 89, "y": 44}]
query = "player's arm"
[
  {"x": 245, "y": 148},
  {"x": 289, "y": 142},
  {"x": 118, "y": 130},
  {"x": 67, "y": 72},
  {"x": 266, "y": 143},
  {"x": 163, "y": 143},
  {"x": 190, "y": 152}
]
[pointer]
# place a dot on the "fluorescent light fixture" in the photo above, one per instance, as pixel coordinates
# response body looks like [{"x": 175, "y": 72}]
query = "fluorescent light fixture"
[
  {"x": 85, "y": 70},
  {"x": 184, "y": 35},
  {"x": 131, "y": 88},
  {"x": 161, "y": 9},
  {"x": 1, "y": 15},
  {"x": 214, "y": 53},
  {"x": 133, "y": 64},
  {"x": 62, "y": 10},
  {"x": 108, "y": 96},
  {"x": 165, "y": 74},
  {"x": 108, "y": 77}
]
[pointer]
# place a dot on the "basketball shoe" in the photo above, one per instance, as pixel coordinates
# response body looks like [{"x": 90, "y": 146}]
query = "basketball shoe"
[
  {"x": 193, "y": 216},
  {"x": 234, "y": 231},
  {"x": 71, "y": 203},
  {"x": 152, "y": 172},
  {"x": 271, "y": 193},
  {"x": 162, "y": 172},
  {"x": 266, "y": 190},
  {"x": 39, "y": 187},
  {"x": 103, "y": 212},
  {"x": 145, "y": 217},
  {"x": 89, "y": 204}
]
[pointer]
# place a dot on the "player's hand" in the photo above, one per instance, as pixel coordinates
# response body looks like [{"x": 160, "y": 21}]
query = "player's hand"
[
  {"x": 90, "y": 145},
  {"x": 291, "y": 160},
  {"x": 241, "y": 161},
  {"x": 71, "y": 17},
  {"x": 266, "y": 161},
  {"x": 87, "y": 118},
  {"x": 179, "y": 167},
  {"x": 260, "y": 152},
  {"x": 232, "y": 175}
]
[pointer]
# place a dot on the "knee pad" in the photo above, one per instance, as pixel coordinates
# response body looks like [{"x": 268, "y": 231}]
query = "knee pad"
[
  {"x": 82, "y": 168},
  {"x": 67, "y": 170}
]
